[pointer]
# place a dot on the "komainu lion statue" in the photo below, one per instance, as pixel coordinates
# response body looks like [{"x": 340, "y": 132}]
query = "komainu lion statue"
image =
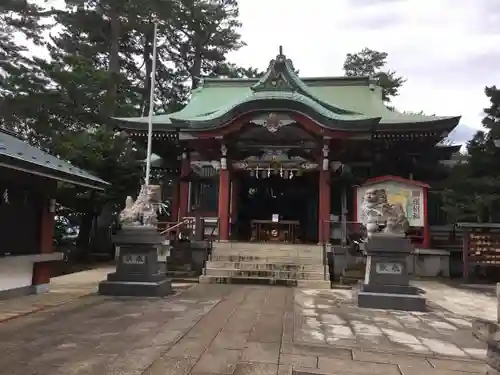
[
  {"x": 377, "y": 213},
  {"x": 143, "y": 210}
]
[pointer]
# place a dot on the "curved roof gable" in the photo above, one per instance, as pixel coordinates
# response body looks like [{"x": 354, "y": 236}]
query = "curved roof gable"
[
  {"x": 281, "y": 76},
  {"x": 342, "y": 103}
]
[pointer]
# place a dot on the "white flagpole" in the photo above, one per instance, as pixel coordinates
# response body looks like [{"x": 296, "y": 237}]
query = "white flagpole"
[{"x": 151, "y": 103}]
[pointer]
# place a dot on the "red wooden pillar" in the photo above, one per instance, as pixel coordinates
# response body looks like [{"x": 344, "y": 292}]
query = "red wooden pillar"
[
  {"x": 42, "y": 271},
  {"x": 184, "y": 186},
  {"x": 324, "y": 195},
  {"x": 324, "y": 207},
  {"x": 224, "y": 187}
]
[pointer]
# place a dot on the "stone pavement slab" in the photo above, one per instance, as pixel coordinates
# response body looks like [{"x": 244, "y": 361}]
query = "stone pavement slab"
[
  {"x": 63, "y": 289},
  {"x": 479, "y": 303},
  {"x": 331, "y": 317},
  {"x": 230, "y": 329}
]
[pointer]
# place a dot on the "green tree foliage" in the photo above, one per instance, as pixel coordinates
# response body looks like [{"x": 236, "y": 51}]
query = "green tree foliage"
[
  {"x": 99, "y": 66},
  {"x": 473, "y": 192},
  {"x": 200, "y": 34},
  {"x": 373, "y": 63}
]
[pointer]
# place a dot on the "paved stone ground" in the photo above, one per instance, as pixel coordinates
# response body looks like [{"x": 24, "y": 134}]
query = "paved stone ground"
[
  {"x": 468, "y": 300},
  {"x": 329, "y": 316},
  {"x": 63, "y": 289},
  {"x": 225, "y": 329}
]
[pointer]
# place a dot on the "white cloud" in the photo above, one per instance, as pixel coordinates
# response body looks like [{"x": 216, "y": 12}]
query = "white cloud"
[{"x": 445, "y": 48}]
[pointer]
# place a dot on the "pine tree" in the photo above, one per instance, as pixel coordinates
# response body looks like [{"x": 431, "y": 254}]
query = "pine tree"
[
  {"x": 372, "y": 63},
  {"x": 201, "y": 34},
  {"x": 474, "y": 187},
  {"x": 99, "y": 67}
]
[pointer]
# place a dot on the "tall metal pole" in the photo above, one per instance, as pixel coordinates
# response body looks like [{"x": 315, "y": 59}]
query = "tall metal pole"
[{"x": 151, "y": 104}]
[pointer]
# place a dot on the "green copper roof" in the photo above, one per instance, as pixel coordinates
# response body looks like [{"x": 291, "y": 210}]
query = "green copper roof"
[
  {"x": 343, "y": 103},
  {"x": 16, "y": 154}
]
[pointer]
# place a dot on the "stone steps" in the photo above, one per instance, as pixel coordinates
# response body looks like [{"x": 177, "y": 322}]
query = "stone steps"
[
  {"x": 303, "y": 251},
  {"x": 265, "y": 246},
  {"x": 272, "y": 274},
  {"x": 266, "y": 266},
  {"x": 235, "y": 258},
  {"x": 349, "y": 281},
  {"x": 275, "y": 252},
  {"x": 309, "y": 284},
  {"x": 353, "y": 274}
]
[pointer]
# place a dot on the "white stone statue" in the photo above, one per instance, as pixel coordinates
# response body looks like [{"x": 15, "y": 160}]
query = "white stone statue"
[
  {"x": 143, "y": 210},
  {"x": 377, "y": 212},
  {"x": 371, "y": 213}
]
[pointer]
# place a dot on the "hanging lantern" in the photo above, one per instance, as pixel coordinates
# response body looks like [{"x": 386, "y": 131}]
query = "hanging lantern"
[
  {"x": 257, "y": 172},
  {"x": 269, "y": 172},
  {"x": 281, "y": 171},
  {"x": 290, "y": 176}
]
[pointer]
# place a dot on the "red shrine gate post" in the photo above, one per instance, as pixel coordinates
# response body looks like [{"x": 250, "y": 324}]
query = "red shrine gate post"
[
  {"x": 324, "y": 198},
  {"x": 42, "y": 271},
  {"x": 224, "y": 196}
]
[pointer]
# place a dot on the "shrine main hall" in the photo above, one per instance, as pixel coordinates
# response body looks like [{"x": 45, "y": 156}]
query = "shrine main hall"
[{"x": 267, "y": 158}]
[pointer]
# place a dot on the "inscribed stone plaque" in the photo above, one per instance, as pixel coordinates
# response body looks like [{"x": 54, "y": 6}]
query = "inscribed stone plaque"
[
  {"x": 134, "y": 259},
  {"x": 389, "y": 268}
]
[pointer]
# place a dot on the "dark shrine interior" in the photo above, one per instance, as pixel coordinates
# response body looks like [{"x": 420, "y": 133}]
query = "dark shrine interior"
[
  {"x": 292, "y": 198},
  {"x": 20, "y": 213}
]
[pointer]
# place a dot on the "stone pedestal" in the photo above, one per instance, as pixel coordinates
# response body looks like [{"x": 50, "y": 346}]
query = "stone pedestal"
[
  {"x": 489, "y": 333},
  {"x": 386, "y": 283},
  {"x": 141, "y": 266}
]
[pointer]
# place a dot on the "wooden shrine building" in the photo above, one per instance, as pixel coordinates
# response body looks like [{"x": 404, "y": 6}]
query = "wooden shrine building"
[
  {"x": 263, "y": 156},
  {"x": 28, "y": 181}
]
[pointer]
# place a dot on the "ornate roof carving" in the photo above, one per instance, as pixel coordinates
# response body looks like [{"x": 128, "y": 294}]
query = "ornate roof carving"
[
  {"x": 277, "y": 77},
  {"x": 273, "y": 121}
]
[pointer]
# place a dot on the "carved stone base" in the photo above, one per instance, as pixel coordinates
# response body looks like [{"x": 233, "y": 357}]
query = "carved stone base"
[
  {"x": 489, "y": 333},
  {"x": 386, "y": 284},
  {"x": 391, "y": 301},
  {"x": 135, "y": 289},
  {"x": 140, "y": 270}
]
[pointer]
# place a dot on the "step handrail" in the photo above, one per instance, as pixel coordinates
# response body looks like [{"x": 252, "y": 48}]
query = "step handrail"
[{"x": 185, "y": 221}]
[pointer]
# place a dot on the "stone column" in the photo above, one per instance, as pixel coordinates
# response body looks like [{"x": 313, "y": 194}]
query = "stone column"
[
  {"x": 184, "y": 186},
  {"x": 324, "y": 198},
  {"x": 43, "y": 271},
  {"x": 224, "y": 187}
]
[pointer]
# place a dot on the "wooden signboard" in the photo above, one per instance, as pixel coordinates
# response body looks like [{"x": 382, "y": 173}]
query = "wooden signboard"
[
  {"x": 410, "y": 194},
  {"x": 481, "y": 245}
]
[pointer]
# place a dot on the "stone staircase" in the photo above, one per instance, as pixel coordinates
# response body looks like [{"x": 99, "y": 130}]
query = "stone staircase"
[
  {"x": 353, "y": 274},
  {"x": 267, "y": 264}
]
